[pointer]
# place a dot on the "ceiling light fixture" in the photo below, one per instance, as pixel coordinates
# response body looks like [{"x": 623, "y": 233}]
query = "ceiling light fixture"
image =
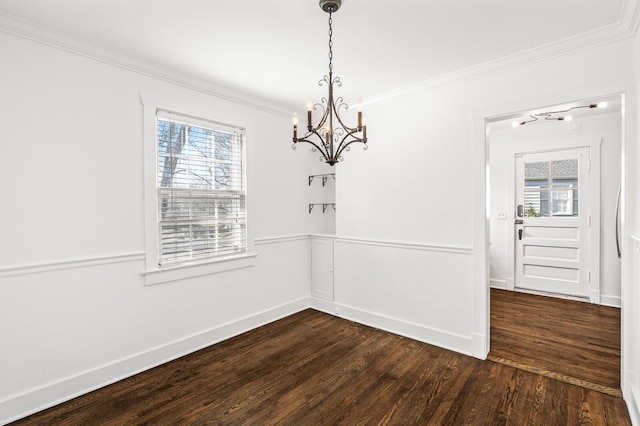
[
  {"x": 331, "y": 136},
  {"x": 557, "y": 115}
]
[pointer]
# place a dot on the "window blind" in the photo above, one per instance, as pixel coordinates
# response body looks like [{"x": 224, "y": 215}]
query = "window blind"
[{"x": 201, "y": 189}]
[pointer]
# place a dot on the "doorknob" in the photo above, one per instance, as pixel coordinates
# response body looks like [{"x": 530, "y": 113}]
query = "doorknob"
[{"x": 520, "y": 234}]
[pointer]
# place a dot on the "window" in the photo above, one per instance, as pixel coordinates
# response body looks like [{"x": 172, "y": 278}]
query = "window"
[
  {"x": 558, "y": 179},
  {"x": 201, "y": 189}
]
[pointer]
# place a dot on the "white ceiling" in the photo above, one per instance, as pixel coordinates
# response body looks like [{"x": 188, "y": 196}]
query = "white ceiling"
[{"x": 277, "y": 50}]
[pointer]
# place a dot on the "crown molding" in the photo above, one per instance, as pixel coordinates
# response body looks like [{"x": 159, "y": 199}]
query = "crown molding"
[
  {"x": 625, "y": 28},
  {"x": 27, "y": 30},
  {"x": 630, "y": 17}
]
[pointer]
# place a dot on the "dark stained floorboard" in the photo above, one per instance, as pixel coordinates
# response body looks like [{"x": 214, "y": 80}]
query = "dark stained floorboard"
[
  {"x": 315, "y": 369},
  {"x": 572, "y": 341}
]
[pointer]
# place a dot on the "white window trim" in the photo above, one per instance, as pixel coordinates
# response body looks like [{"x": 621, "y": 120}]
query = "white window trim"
[{"x": 153, "y": 273}]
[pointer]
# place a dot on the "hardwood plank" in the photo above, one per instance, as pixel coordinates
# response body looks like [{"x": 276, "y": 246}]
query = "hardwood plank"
[
  {"x": 575, "y": 342},
  {"x": 315, "y": 369}
]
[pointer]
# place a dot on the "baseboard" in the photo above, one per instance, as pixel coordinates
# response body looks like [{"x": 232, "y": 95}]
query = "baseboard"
[
  {"x": 432, "y": 336},
  {"x": 511, "y": 285},
  {"x": 613, "y": 301},
  {"x": 324, "y": 306},
  {"x": 479, "y": 345},
  {"x": 500, "y": 284},
  {"x": 52, "y": 394},
  {"x": 633, "y": 404}
]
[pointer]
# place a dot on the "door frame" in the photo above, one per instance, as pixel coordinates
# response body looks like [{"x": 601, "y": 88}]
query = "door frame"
[
  {"x": 480, "y": 333},
  {"x": 595, "y": 147}
]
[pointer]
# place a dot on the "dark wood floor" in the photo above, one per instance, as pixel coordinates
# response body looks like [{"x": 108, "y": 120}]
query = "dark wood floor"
[
  {"x": 572, "y": 341},
  {"x": 316, "y": 369}
]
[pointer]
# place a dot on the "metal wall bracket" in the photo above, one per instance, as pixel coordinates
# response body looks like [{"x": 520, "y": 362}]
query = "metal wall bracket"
[
  {"x": 325, "y": 206},
  {"x": 324, "y": 177}
]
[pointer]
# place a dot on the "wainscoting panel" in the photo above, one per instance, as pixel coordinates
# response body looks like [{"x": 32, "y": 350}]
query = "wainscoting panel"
[
  {"x": 421, "y": 291},
  {"x": 631, "y": 331},
  {"x": 75, "y": 326}
]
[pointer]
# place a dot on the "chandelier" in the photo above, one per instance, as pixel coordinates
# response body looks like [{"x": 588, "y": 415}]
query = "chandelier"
[{"x": 331, "y": 136}]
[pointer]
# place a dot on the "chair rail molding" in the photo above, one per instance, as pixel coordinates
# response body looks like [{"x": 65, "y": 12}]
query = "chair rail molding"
[{"x": 60, "y": 265}]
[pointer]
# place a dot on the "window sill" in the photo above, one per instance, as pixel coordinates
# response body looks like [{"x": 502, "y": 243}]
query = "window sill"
[{"x": 197, "y": 269}]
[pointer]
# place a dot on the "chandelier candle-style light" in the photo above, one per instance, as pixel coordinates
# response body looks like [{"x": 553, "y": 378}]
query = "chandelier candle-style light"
[{"x": 331, "y": 136}]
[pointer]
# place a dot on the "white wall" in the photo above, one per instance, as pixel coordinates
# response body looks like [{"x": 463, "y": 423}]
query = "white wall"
[
  {"x": 631, "y": 261},
  {"x": 420, "y": 187},
  {"x": 506, "y": 141},
  {"x": 74, "y": 310}
]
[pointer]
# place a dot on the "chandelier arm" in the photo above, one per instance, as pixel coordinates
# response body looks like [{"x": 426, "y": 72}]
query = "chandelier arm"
[
  {"x": 338, "y": 103},
  {"x": 336, "y": 111},
  {"x": 346, "y": 147},
  {"x": 322, "y": 150},
  {"x": 324, "y": 143},
  {"x": 309, "y": 134},
  {"x": 318, "y": 105},
  {"x": 350, "y": 130},
  {"x": 344, "y": 144},
  {"x": 325, "y": 116}
]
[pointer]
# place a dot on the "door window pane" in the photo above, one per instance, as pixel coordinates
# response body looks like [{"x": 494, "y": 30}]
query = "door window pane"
[
  {"x": 563, "y": 169},
  {"x": 536, "y": 203},
  {"x": 536, "y": 192},
  {"x": 536, "y": 175},
  {"x": 564, "y": 182},
  {"x": 565, "y": 202}
]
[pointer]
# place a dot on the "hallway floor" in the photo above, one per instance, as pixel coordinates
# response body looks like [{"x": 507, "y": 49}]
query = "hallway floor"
[{"x": 575, "y": 342}]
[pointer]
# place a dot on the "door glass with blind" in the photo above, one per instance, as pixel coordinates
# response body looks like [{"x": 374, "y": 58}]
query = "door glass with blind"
[{"x": 201, "y": 189}]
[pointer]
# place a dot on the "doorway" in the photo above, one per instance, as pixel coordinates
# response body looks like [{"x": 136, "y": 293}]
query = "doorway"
[
  {"x": 546, "y": 258},
  {"x": 592, "y": 143}
]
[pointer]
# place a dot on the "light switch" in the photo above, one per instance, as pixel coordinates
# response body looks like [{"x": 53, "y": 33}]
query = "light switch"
[{"x": 501, "y": 215}]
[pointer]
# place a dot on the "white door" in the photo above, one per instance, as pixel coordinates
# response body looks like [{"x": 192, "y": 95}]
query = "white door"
[
  {"x": 322, "y": 268},
  {"x": 552, "y": 222}
]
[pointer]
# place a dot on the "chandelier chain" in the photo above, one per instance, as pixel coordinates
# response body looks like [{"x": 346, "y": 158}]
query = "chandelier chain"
[{"x": 330, "y": 43}]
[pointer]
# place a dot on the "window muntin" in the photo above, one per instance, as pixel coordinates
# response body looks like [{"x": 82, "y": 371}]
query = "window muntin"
[{"x": 201, "y": 189}]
